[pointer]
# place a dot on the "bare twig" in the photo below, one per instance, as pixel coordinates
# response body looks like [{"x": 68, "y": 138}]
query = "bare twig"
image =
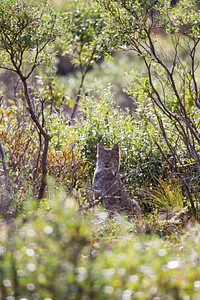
[
  {"x": 83, "y": 75},
  {"x": 5, "y": 170}
]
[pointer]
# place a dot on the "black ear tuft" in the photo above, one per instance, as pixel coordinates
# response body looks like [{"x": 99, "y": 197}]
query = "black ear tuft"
[
  {"x": 116, "y": 147},
  {"x": 100, "y": 147}
]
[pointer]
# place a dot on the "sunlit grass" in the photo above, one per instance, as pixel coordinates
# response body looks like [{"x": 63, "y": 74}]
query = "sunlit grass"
[{"x": 168, "y": 195}]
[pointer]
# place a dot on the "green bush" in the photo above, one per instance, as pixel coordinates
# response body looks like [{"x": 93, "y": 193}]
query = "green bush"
[
  {"x": 54, "y": 253},
  {"x": 102, "y": 121}
]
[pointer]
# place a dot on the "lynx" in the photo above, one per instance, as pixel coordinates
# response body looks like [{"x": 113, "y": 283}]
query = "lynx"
[{"x": 107, "y": 185}]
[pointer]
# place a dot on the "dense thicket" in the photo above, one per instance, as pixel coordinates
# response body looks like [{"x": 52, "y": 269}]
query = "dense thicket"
[{"x": 75, "y": 73}]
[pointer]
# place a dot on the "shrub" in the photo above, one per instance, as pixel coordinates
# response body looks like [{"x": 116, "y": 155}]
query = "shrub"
[
  {"x": 54, "y": 253},
  {"x": 102, "y": 121},
  {"x": 166, "y": 37}
]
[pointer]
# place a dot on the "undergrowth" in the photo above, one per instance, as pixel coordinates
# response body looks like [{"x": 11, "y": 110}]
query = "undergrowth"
[{"x": 53, "y": 252}]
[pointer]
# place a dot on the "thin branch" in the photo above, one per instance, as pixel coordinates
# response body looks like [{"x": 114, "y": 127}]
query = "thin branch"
[
  {"x": 193, "y": 69},
  {"x": 30, "y": 108},
  {"x": 5, "y": 171},
  {"x": 81, "y": 85}
]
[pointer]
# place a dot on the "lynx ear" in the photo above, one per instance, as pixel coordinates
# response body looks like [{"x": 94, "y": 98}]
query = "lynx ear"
[
  {"x": 116, "y": 147},
  {"x": 100, "y": 146}
]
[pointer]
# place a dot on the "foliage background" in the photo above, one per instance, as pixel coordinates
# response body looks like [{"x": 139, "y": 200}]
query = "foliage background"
[{"x": 75, "y": 73}]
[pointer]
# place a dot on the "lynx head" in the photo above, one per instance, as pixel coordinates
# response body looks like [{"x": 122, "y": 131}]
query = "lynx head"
[{"x": 108, "y": 158}]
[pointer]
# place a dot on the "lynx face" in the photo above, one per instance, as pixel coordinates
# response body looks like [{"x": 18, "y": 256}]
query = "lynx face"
[{"x": 108, "y": 158}]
